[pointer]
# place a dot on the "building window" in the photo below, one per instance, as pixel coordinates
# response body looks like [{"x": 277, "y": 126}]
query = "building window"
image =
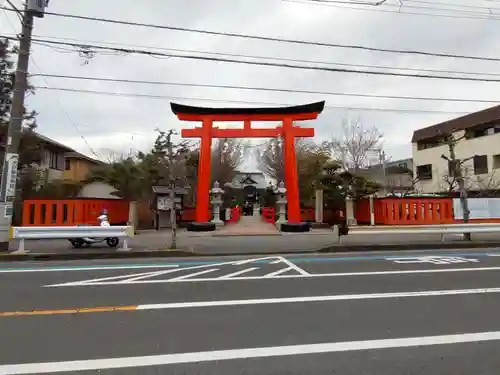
[
  {"x": 429, "y": 143},
  {"x": 480, "y": 164},
  {"x": 424, "y": 172},
  {"x": 480, "y": 133},
  {"x": 496, "y": 161},
  {"x": 53, "y": 156},
  {"x": 67, "y": 164}
]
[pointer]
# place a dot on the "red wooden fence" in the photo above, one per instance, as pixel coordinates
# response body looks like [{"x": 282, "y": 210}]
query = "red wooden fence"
[
  {"x": 406, "y": 211},
  {"x": 73, "y": 212}
]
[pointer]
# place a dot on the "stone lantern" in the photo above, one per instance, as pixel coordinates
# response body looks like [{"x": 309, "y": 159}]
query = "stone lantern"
[
  {"x": 216, "y": 201},
  {"x": 281, "y": 202}
]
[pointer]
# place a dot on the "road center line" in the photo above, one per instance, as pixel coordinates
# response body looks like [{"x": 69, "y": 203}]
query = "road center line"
[
  {"x": 259, "y": 301},
  {"x": 263, "y": 352}
]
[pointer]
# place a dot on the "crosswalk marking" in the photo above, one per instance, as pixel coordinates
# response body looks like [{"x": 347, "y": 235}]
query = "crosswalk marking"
[
  {"x": 237, "y": 273},
  {"x": 279, "y": 272},
  {"x": 285, "y": 276},
  {"x": 192, "y": 273},
  {"x": 184, "y": 277}
]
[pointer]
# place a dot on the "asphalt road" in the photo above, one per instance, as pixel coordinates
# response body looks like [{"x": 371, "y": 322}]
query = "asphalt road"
[{"x": 386, "y": 313}]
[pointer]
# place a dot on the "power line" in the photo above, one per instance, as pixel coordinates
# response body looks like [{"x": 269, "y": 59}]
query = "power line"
[
  {"x": 66, "y": 114},
  {"x": 254, "y": 88},
  {"x": 490, "y": 9},
  {"x": 17, "y": 11},
  {"x": 63, "y": 109},
  {"x": 400, "y": 9},
  {"x": 68, "y": 50},
  {"x": 268, "y": 64},
  {"x": 162, "y": 97},
  {"x": 266, "y": 38}
]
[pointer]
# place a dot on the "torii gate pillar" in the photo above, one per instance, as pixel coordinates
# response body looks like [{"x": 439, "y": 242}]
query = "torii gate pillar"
[{"x": 288, "y": 131}]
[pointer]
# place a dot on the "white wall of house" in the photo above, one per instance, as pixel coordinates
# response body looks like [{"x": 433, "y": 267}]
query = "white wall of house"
[
  {"x": 488, "y": 178},
  {"x": 97, "y": 189}
]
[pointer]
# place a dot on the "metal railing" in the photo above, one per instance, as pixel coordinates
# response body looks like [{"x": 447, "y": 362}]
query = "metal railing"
[
  {"x": 441, "y": 229},
  {"x": 46, "y": 233}
]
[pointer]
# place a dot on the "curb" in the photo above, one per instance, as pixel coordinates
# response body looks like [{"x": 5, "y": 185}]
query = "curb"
[
  {"x": 406, "y": 247},
  {"x": 96, "y": 256},
  {"x": 183, "y": 253}
]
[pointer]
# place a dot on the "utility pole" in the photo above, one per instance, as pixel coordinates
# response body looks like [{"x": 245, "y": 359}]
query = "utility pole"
[
  {"x": 173, "y": 218},
  {"x": 383, "y": 162},
  {"x": 457, "y": 173},
  {"x": 33, "y": 8}
]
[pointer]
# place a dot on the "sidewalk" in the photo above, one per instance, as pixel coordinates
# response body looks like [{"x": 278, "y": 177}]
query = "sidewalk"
[{"x": 272, "y": 242}]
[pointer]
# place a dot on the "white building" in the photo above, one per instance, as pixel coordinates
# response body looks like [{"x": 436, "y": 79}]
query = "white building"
[{"x": 478, "y": 151}]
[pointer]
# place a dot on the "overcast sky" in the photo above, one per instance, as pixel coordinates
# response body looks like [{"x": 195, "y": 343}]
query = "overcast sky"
[{"x": 99, "y": 123}]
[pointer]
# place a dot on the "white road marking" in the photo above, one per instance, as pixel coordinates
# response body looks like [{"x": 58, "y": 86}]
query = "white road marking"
[
  {"x": 295, "y": 267},
  {"x": 246, "y": 353},
  {"x": 246, "y": 270},
  {"x": 494, "y": 255},
  {"x": 145, "y": 275},
  {"x": 116, "y": 279},
  {"x": 432, "y": 259},
  {"x": 307, "y": 299},
  {"x": 245, "y": 261},
  {"x": 129, "y": 278},
  {"x": 276, "y": 261},
  {"x": 194, "y": 274},
  {"x": 278, "y": 272},
  {"x": 313, "y": 275},
  {"x": 85, "y": 268}
]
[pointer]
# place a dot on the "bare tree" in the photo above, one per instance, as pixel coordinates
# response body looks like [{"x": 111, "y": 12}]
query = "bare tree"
[
  {"x": 488, "y": 183},
  {"x": 449, "y": 181},
  {"x": 271, "y": 157},
  {"x": 226, "y": 157},
  {"x": 353, "y": 143},
  {"x": 401, "y": 181}
]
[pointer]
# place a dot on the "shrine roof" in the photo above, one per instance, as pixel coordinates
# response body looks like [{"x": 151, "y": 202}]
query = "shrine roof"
[{"x": 298, "y": 109}]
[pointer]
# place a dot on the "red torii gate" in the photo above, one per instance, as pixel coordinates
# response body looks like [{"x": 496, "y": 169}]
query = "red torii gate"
[{"x": 287, "y": 115}]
